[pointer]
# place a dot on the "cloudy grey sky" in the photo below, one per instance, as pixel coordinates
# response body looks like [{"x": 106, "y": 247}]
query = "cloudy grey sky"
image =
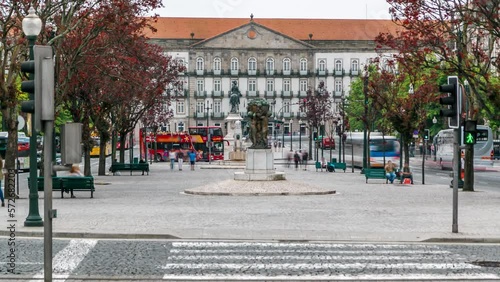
[{"x": 325, "y": 9}]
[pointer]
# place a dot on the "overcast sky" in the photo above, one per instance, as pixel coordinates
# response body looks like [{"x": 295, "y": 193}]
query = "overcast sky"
[{"x": 324, "y": 9}]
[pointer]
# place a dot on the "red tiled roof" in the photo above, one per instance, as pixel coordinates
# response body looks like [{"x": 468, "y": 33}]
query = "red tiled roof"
[{"x": 321, "y": 29}]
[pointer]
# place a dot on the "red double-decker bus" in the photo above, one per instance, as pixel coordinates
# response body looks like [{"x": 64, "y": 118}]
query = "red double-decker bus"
[
  {"x": 158, "y": 143},
  {"x": 201, "y": 143}
]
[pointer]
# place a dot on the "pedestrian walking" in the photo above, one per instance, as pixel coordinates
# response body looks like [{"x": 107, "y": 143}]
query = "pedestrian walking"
[
  {"x": 289, "y": 158},
  {"x": 305, "y": 155},
  {"x": 192, "y": 158},
  {"x": 296, "y": 159},
  {"x": 180, "y": 159},
  {"x": 172, "y": 155}
]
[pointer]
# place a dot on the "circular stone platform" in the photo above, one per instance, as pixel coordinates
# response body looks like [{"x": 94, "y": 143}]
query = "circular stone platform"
[{"x": 258, "y": 188}]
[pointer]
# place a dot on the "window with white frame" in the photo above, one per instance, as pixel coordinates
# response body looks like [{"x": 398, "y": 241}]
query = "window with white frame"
[
  {"x": 252, "y": 85},
  {"x": 199, "y": 64},
  {"x": 286, "y": 64},
  {"x": 180, "y": 127},
  {"x": 217, "y": 64},
  {"x": 286, "y": 106},
  {"x": 354, "y": 65},
  {"x": 252, "y": 64},
  {"x": 217, "y": 85},
  {"x": 200, "y": 106},
  {"x": 200, "y": 85},
  {"x": 303, "y": 64},
  {"x": 322, "y": 65},
  {"x": 180, "y": 107},
  {"x": 338, "y": 65},
  {"x": 234, "y": 64},
  {"x": 338, "y": 86},
  {"x": 270, "y": 85},
  {"x": 270, "y": 64},
  {"x": 217, "y": 106},
  {"x": 303, "y": 85},
  {"x": 286, "y": 84}
]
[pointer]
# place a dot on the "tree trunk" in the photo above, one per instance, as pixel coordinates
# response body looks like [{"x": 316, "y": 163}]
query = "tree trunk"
[
  {"x": 469, "y": 169},
  {"x": 10, "y": 166}
]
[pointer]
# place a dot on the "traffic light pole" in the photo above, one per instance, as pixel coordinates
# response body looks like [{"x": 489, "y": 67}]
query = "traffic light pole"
[
  {"x": 456, "y": 178},
  {"x": 33, "y": 218}
]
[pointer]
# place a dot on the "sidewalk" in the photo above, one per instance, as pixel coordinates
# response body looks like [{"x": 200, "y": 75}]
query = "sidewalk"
[{"x": 157, "y": 206}]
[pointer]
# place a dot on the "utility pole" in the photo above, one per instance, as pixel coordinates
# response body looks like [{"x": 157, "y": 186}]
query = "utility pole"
[{"x": 209, "y": 137}]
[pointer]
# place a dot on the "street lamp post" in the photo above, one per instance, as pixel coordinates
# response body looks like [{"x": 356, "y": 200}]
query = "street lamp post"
[
  {"x": 291, "y": 134},
  {"x": 32, "y": 25},
  {"x": 300, "y": 134},
  {"x": 365, "y": 137},
  {"x": 434, "y": 121},
  {"x": 209, "y": 137},
  {"x": 283, "y": 134}
]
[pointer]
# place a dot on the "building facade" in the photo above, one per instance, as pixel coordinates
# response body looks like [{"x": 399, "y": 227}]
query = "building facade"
[{"x": 275, "y": 59}]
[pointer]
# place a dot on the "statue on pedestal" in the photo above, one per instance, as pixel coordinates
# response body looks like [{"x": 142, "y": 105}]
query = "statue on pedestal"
[
  {"x": 258, "y": 112},
  {"x": 234, "y": 98}
]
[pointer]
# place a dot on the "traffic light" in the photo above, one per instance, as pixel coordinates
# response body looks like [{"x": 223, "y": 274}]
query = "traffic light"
[
  {"x": 452, "y": 102},
  {"x": 470, "y": 132},
  {"x": 40, "y": 85},
  {"x": 426, "y": 134}
]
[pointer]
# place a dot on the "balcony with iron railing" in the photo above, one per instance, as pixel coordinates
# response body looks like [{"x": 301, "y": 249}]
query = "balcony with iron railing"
[
  {"x": 234, "y": 72},
  {"x": 270, "y": 72},
  {"x": 286, "y": 94},
  {"x": 200, "y": 94},
  {"x": 217, "y": 94},
  {"x": 270, "y": 94},
  {"x": 252, "y": 94},
  {"x": 302, "y": 94},
  {"x": 303, "y": 72},
  {"x": 323, "y": 72},
  {"x": 218, "y": 115},
  {"x": 199, "y": 115},
  {"x": 338, "y": 72},
  {"x": 354, "y": 72}
]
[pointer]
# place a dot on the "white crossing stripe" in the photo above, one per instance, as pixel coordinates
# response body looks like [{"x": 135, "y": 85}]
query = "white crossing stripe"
[
  {"x": 315, "y": 266},
  {"x": 289, "y": 257},
  {"x": 343, "y": 277},
  {"x": 308, "y": 251},
  {"x": 68, "y": 259}
]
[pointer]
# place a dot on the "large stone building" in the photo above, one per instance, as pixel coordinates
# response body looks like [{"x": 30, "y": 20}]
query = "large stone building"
[{"x": 276, "y": 59}]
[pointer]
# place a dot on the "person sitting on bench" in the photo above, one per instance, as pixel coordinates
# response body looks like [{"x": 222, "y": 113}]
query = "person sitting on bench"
[
  {"x": 390, "y": 171},
  {"x": 406, "y": 173}
]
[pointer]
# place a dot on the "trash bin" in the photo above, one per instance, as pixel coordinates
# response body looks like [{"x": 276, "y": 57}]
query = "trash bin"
[{"x": 136, "y": 160}]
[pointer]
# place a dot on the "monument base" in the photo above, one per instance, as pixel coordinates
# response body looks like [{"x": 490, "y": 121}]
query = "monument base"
[
  {"x": 259, "y": 167},
  {"x": 237, "y": 156}
]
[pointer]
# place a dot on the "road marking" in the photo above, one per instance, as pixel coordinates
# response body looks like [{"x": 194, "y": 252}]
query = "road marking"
[
  {"x": 304, "y": 257},
  {"x": 68, "y": 259},
  {"x": 378, "y": 277},
  {"x": 316, "y": 266},
  {"x": 215, "y": 251},
  {"x": 288, "y": 245}
]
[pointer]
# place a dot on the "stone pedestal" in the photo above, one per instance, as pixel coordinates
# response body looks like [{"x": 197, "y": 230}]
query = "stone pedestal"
[
  {"x": 233, "y": 150},
  {"x": 231, "y": 126},
  {"x": 259, "y": 167}
]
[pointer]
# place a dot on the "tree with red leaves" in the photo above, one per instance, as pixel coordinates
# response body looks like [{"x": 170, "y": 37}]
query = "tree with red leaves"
[
  {"x": 318, "y": 106},
  {"x": 458, "y": 37}
]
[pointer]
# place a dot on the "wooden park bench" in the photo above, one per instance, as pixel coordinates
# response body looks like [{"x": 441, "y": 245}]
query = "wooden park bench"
[
  {"x": 375, "y": 173},
  {"x": 144, "y": 167},
  {"x": 331, "y": 166},
  {"x": 68, "y": 184}
]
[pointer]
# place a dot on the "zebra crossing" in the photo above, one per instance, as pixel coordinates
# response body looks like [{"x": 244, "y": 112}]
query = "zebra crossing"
[
  {"x": 156, "y": 260},
  {"x": 304, "y": 261}
]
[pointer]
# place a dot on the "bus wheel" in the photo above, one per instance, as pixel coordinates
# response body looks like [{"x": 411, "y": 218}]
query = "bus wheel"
[{"x": 158, "y": 158}]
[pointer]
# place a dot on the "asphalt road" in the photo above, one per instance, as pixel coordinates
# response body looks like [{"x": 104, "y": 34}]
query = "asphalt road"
[{"x": 157, "y": 260}]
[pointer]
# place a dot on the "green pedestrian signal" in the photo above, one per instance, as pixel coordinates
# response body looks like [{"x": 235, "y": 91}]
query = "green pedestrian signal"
[
  {"x": 470, "y": 132},
  {"x": 470, "y": 138}
]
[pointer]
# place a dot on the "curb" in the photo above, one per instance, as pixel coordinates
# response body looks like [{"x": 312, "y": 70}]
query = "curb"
[{"x": 201, "y": 193}]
